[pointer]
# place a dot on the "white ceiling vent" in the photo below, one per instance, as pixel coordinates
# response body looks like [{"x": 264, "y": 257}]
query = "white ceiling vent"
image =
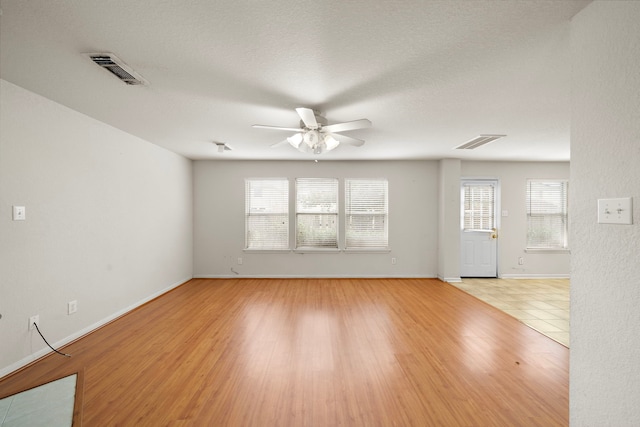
[
  {"x": 115, "y": 66},
  {"x": 478, "y": 141}
]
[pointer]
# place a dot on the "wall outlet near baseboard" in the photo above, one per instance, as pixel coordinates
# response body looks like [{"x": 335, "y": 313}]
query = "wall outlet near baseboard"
[
  {"x": 520, "y": 261},
  {"x": 33, "y": 320},
  {"x": 72, "y": 307}
]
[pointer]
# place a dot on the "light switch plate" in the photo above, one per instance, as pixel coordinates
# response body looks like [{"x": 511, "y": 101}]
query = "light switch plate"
[
  {"x": 615, "y": 211},
  {"x": 19, "y": 213}
]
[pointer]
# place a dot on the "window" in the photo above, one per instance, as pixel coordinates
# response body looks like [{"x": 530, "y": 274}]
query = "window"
[
  {"x": 316, "y": 213},
  {"x": 267, "y": 213},
  {"x": 366, "y": 212},
  {"x": 479, "y": 210},
  {"x": 547, "y": 225}
]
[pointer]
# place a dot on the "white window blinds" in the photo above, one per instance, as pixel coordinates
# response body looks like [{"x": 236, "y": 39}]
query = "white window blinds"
[
  {"x": 479, "y": 210},
  {"x": 366, "y": 213},
  {"x": 267, "y": 213},
  {"x": 547, "y": 224},
  {"x": 316, "y": 213}
]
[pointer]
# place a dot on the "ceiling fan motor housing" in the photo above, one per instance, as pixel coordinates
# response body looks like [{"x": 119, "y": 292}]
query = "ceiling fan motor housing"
[{"x": 320, "y": 121}]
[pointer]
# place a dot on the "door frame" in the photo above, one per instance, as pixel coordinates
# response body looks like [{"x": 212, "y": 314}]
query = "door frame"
[{"x": 497, "y": 213}]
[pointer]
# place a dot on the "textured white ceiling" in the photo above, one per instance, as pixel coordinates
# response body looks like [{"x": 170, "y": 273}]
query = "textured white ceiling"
[{"x": 430, "y": 75}]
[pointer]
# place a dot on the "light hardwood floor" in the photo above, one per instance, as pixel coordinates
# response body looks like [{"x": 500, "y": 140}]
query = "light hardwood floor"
[{"x": 314, "y": 352}]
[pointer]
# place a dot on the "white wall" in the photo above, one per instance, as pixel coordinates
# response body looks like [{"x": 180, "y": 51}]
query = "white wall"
[
  {"x": 605, "y": 162},
  {"x": 219, "y": 221},
  {"x": 109, "y": 222},
  {"x": 512, "y": 240},
  {"x": 418, "y": 192}
]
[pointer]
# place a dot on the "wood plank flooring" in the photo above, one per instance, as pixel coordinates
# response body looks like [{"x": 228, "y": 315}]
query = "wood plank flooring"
[{"x": 314, "y": 352}]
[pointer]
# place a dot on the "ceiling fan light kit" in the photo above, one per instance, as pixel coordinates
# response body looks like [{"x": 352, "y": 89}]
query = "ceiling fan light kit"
[
  {"x": 295, "y": 140},
  {"x": 330, "y": 142},
  {"x": 316, "y": 136}
]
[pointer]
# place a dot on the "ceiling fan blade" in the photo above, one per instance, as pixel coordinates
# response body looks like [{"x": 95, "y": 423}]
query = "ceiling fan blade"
[
  {"x": 347, "y": 139},
  {"x": 277, "y": 144},
  {"x": 308, "y": 117},
  {"x": 275, "y": 128},
  {"x": 342, "y": 127}
]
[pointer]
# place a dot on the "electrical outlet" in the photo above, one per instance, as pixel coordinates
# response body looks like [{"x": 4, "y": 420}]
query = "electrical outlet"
[
  {"x": 19, "y": 213},
  {"x": 520, "y": 261},
  {"x": 72, "y": 307},
  {"x": 33, "y": 320},
  {"x": 393, "y": 261},
  {"x": 239, "y": 261}
]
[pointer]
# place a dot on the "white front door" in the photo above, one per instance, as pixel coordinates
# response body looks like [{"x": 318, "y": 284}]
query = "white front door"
[{"x": 478, "y": 228}]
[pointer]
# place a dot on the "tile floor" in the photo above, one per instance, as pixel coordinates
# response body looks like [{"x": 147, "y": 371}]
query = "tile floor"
[
  {"x": 542, "y": 304},
  {"x": 50, "y": 405}
]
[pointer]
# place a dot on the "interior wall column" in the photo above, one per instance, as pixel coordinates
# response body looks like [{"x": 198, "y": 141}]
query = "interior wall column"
[{"x": 449, "y": 220}]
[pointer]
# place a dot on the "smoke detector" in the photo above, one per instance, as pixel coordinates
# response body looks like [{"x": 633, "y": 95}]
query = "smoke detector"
[
  {"x": 222, "y": 147},
  {"x": 117, "y": 67}
]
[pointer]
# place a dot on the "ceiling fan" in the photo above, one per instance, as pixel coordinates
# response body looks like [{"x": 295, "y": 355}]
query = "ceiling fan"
[{"x": 316, "y": 136}]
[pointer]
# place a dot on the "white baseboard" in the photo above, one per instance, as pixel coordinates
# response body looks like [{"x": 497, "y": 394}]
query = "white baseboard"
[
  {"x": 535, "y": 276},
  {"x": 450, "y": 279},
  {"x": 38, "y": 354},
  {"x": 337, "y": 276}
]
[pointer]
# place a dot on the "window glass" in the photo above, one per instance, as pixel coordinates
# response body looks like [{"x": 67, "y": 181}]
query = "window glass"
[
  {"x": 366, "y": 213},
  {"x": 316, "y": 213},
  {"x": 267, "y": 213},
  {"x": 547, "y": 214}
]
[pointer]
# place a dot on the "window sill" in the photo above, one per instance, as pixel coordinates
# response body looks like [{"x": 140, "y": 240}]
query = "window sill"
[
  {"x": 368, "y": 251},
  {"x": 547, "y": 251},
  {"x": 316, "y": 250},
  {"x": 267, "y": 251}
]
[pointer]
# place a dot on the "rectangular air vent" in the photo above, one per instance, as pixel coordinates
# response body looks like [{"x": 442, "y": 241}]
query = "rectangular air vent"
[
  {"x": 478, "y": 142},
  {"x": 115, "y": 66}
]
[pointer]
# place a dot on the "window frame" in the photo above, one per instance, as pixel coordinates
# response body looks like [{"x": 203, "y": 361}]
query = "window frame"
[
  {"x": 339, "y": 214},
  {"x": 351, "y": 211},
  {"x": 484, "y": 214},
  {"x": 324, "y": 211},
  {"x": 284, "y": 201},
  {"x": 562, "y": 213}
]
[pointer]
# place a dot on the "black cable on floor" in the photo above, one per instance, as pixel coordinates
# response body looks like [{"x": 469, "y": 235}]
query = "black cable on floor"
[{"x": 45, "y": 340}]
